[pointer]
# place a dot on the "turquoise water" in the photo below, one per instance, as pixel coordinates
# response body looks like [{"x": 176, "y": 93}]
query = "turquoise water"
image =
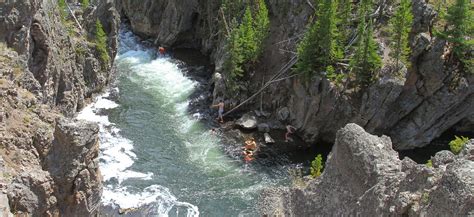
[{"x": 155, "y": 152}]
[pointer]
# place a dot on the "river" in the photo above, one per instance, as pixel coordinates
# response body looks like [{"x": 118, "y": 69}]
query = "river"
[{"x": 153, "y": 152}]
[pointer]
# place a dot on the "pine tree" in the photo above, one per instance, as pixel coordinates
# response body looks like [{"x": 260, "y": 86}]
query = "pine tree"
[
  {"x": 344, "y": 13},
  {"x": 101, "y": 42},
  {"x": 401, "y": 24},
  {"x": 365, "y": 61},
  {"x": 234, "y": 62},
  {"x": 246, "y": 39},
  {"x": 319, "y": 48},
  {"x": 459, "y": 32},
  {"x": 262, "y": 24},
  {"x": 247, "y": 36}
]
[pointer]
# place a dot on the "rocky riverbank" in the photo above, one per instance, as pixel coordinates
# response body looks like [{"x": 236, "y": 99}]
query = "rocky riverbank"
[
  {"x": 364, "y": 176},
  {"x": 413, "y": 109},
  {"x": 50, "y": 68}
]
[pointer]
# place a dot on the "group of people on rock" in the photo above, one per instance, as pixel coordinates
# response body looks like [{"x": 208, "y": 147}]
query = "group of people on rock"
[{"x": 250, "y": 144}]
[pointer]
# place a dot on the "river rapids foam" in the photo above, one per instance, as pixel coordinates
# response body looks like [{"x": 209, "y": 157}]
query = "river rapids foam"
[{"x": 117, "y": 154}]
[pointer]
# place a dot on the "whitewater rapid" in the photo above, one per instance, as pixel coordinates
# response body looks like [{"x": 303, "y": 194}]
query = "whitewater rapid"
[
  {"x": 116, "y": 155},
  {"x": 155, "y": 154}
]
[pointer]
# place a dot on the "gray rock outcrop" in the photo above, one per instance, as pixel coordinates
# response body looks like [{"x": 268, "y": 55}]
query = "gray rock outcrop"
[
  {"x": 73, "y": 164},
  {"x": 364, "y": 177},
  {"x": 48, "y": 70},
  {"x": 167, "y": 22},
  {"x": 62, "y": 66}
]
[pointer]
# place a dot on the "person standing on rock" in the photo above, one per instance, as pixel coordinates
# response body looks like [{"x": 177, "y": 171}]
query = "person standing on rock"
[
  {"x": 289, "y": 130},
  {"x": 220, "y": 105}
]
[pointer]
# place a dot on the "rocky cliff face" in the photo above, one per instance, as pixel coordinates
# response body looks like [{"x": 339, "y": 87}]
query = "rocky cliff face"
[
  {"x": 412, "y": 109},
  {"x": 364, "y": 177},
  {"x": 49, "y": 69}
]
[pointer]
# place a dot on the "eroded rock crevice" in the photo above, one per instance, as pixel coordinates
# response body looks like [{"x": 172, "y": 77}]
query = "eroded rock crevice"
[{"x": 39, "y": 56}]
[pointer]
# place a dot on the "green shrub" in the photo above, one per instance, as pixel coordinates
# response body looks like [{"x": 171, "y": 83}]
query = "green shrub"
[
  {"x": 429, "y": 163},
  {"x": 457, "y": 144},
  {"x": 101, "y": 42},
  {"x": 317, "y": 166}
]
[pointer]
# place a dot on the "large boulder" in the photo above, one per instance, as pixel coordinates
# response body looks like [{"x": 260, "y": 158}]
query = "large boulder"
[
  {"x": 364, "y": 177},
  {"x": 247, "y": 121}
]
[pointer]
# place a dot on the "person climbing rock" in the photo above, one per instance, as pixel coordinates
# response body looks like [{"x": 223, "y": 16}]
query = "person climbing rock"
[
  {"x": 289, "y": 130},
  {"x": 220, "y": 105}
]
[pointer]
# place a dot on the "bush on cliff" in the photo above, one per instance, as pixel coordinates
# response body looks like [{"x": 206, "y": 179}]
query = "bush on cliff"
[
  {"x": 429, "y": 163},
  {"x": 101, "y": 42},
  {"x": 457, "y": 144},
  {"x": 317, "y": 166}
]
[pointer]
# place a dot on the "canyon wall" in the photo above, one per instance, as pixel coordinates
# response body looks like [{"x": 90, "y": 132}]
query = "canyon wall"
[
  {"x": 413, "y": 108},
  {"x": 50, "y": 69},
  {"x": 363, "y": 176}
]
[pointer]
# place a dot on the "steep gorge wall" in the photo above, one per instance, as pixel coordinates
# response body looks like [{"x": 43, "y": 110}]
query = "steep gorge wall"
[
  {"x": 49, "y": 70},
  {"x": 412, "y": 109},
  {"x": 363, "y": 176}
]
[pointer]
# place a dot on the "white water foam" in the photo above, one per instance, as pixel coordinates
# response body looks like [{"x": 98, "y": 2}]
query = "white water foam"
[
  {"x": 115, "y": 160},
  {"x": 154, "y": 195},
  {"x": 116, "y": 155},
  {"x": 116, "y": 151}
]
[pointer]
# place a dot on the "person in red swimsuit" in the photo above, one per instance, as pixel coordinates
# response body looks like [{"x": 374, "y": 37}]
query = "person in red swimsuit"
[{"x": 162, "y": 50}]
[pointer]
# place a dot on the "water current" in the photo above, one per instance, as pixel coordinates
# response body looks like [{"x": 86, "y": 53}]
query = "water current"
[{"x": 153, "y": 152}]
